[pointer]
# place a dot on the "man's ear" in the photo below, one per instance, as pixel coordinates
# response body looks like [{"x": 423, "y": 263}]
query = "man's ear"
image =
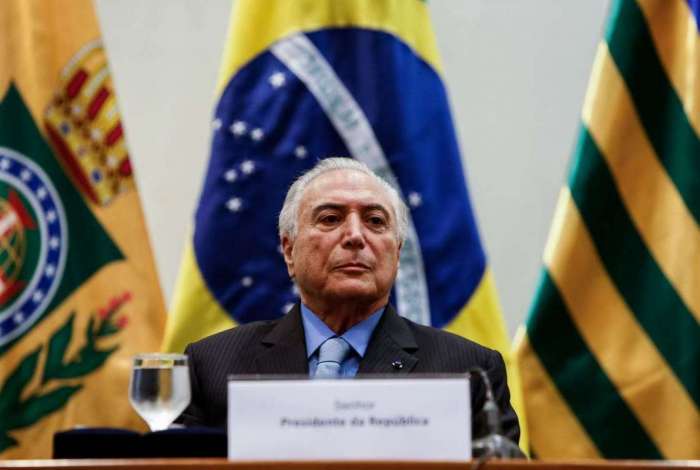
[
  {"x": 287, "y": 249},
  {"x": 398, "y": 257}
]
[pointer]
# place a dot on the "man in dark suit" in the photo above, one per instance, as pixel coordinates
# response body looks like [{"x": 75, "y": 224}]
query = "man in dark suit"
[{"x": 341, "y": 229}]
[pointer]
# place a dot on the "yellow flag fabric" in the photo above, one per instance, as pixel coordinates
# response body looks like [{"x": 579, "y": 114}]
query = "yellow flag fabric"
[
  {"x": 610, "y": 356},
  {"x": 79, "y": 294},
  {"x": 303, "y": 80}
]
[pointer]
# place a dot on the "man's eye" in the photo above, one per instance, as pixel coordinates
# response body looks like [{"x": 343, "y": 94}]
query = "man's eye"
[
  {"x": 329, "y": 219},
  {"x": 377, "y": 221}
]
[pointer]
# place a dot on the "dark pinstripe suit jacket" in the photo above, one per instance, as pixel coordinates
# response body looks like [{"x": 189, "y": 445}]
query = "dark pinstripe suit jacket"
[{"x": 278, "y": 347}]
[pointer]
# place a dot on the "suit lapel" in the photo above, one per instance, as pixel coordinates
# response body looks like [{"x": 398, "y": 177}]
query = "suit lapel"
[
  {"x": 391, "y": 347},
  {"x": 284, "y": 347}
]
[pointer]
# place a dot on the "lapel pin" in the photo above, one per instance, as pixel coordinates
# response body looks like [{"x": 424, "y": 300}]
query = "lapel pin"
[{"x": 397, "y": 365}]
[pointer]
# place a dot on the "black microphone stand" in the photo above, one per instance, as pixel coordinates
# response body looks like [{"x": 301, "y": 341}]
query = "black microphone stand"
[{"x": 494, "y": 444}]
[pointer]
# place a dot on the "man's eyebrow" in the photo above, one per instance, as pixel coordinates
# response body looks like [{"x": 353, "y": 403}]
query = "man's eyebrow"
[
  {"x": 378, "y": 207},
  {"x": 341, "y": 207},
  {"x": 322, "y": 207}
]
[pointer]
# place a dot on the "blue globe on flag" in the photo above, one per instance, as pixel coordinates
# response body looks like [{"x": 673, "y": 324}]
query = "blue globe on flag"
[{"x": 13, "y": 248}]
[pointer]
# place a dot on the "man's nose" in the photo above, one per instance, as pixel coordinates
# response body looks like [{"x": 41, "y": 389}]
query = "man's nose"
[{"x": 353, "y": 236}]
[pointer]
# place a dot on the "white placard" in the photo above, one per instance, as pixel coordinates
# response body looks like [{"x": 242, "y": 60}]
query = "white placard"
[{"x": 359, "y": 419}]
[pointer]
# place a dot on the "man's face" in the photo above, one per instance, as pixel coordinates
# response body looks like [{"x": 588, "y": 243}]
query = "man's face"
[{"x": 346, "y": 248}]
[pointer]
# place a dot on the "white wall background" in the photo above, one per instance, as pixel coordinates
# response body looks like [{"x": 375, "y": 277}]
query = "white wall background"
[{"x": 516, "y": 73}]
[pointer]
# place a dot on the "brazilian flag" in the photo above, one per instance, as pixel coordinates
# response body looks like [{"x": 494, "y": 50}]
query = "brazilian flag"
[
  {"x": 303, "y": 80},
  {"x": 78, "y": 288}
]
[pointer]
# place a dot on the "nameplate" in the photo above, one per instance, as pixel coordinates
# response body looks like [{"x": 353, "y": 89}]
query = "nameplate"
[{"x": 358, "y": 419}]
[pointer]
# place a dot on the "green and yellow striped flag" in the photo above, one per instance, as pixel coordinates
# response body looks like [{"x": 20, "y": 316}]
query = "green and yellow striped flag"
[{"x": 610, "y": 359}]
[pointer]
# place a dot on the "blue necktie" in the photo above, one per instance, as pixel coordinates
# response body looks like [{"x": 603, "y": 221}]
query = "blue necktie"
[{"x": 331, "y": 355}]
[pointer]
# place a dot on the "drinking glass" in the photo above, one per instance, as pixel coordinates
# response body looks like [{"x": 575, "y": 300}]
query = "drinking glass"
[{"x": 160, "y": 388}]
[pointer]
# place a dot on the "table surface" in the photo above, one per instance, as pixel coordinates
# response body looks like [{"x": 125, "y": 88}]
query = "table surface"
[{"x": 181, "y": 464}]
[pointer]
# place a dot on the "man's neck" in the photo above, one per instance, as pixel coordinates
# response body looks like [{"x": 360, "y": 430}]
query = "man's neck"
[{"x": 341, "y": 316}]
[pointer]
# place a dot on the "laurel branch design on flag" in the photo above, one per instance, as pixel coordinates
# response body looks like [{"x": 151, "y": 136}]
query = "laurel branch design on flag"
[{"x": 17, "y": 412}]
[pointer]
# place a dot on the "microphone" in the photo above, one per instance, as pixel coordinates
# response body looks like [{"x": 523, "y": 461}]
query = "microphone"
[{"x": 494, "y": 444}]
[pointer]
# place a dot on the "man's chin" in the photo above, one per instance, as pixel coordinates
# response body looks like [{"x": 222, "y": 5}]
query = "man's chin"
[{"x": 352, "y": 292}]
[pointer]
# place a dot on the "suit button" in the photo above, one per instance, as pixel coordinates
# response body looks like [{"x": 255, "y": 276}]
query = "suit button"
[{"x": 397, "y": 365}]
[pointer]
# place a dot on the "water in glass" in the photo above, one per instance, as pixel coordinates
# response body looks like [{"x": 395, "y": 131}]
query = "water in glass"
[{"x": 160, "y": 388}]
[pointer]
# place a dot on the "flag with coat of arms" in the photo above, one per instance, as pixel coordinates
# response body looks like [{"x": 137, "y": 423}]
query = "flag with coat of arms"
[
  {"x": 303, "y": 80},
  {"x": 79, "y": 292}
]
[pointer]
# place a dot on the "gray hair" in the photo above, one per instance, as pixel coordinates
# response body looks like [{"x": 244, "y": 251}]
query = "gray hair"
[{"x": 289, "y": 215}]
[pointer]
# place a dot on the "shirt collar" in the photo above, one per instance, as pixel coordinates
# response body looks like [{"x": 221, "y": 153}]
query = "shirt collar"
[{"x": 316, "y": 332}]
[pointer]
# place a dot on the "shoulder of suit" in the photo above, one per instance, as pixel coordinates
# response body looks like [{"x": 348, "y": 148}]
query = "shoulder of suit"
[
  {"x": 238, "y": 335},
  {"x": 447, "y": 339}
]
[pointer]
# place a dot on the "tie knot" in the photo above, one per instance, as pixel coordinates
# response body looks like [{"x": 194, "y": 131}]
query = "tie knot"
[
  {"x": 331, "y": 355},
  {"x": 334, "y": 349}
]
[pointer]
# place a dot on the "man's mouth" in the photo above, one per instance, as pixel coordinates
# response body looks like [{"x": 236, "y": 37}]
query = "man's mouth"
[{"x": 351, "y": 267}]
